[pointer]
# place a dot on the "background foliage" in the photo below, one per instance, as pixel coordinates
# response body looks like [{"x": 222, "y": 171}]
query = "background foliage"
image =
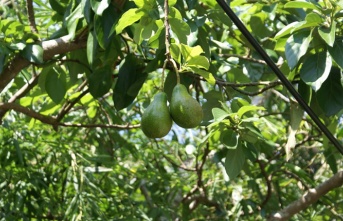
[{"x": 76, "y": 76}]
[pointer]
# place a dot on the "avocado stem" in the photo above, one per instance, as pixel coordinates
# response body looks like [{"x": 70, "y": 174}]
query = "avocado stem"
[{"x": 176, "y": 71}]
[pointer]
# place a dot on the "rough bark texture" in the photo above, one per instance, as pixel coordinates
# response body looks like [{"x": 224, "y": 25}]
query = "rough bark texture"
[{"x": 309, "y": 198}]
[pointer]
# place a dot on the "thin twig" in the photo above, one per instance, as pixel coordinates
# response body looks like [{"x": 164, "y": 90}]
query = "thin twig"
[
  {"x": 268, "y": 179},
  {"x": 20, "y": 93},
  {"x": 167, "y": 28},
  {"x": 183, "y": 167},
  {"x": 169, "y": 59},
  {"x": 69, "y": 104},
  {"x": 31, "y": 16}
]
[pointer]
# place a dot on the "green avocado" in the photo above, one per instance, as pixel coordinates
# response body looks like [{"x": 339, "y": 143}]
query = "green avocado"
[
  {"x": 156, "y": 119},
  {"x": 184, "y": 109}
]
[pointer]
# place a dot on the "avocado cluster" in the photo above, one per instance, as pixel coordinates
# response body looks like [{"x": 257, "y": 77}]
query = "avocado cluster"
[{"x": 184, "y": 110}]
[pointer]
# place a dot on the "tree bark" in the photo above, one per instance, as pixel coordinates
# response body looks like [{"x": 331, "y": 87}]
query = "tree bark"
[
  {"x": 51, "y": 48},
  {"x": 310, "y": 197}
]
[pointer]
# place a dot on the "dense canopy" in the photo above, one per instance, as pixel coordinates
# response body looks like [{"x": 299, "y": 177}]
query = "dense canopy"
[{"x": 77, "y": 75}]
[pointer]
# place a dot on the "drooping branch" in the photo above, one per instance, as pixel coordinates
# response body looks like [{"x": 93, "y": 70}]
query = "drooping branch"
[
  {"x": 50, "y": 47},
  {"x": 28, "y": 112},
  {"x": 310, "y": 197},
  {"x": 54, "y": 122}
]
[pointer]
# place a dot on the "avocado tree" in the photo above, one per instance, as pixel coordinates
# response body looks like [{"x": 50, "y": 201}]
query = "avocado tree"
[{"x": 78, "y": 77}]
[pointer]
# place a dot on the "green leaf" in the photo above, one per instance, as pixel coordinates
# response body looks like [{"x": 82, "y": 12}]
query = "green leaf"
[
  {"x": 314, "y": 18},
  {"x": 311, "y": 20},
  {"x": 130, "y": 81},
  {"x": 91, "y": 111},
  {"x": 33, "y": 53},
  {"x": 250, "y": 133},
  {"x": 100, "y": 81},
  {"x": 172, "y": 2},
  {"x": 229, "y": 138},
  {"x": 286, "y": 30},
  {"x": 219, "y": 114},
  {"x": 296, "y": 117},
  {"x": 128, "y": 18},
  {"x": 258, "y": 27},
  {"x": 57, "y": 6},
  {"x": 205, "y": 74},
  {"x": 55, "y": 85},
  {"x": 180, "y": 29},
  {"x": 336, "y": 53},
  {"x": 213, "y": 99},
  {"x": 175, "y": 52},
  {"x": 246, "y": 109},
  {"x": 316, "y": 69},
  {"x": 328, "y": 34},
  {"x": 92, "y": 45},
  {"x": 199, "y": 61},
  {"x": 296, "y": 47},
  {"x": 329, "y": 95},
  {"x": 329, "y": 154},
  {"x": 234, "y": 162},
  {"x": 147, "y": 4},
  {"x": 301, "y": 5},
  {"x": 73, "y": 19},
  {"x": 99, "y": 6},
  {"x": 190, "y": 52},
  {"x": 103, "y": 26},
  {"x": 157, "y": 40}
]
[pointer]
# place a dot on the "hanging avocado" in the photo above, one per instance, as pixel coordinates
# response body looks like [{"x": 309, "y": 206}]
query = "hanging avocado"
[
  {"x": 184, "y": 109},
  {"x": 156, "y": 120}
]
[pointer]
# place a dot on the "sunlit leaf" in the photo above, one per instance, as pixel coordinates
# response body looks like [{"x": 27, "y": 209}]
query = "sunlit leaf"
[
  {"x": 205, "y": 74},
  {"x": 328, "y": 34},
  {"x": 99, "y": 6},
  {"x": 128, "y": 18},
  {"x": 296, "y": 117},
  {"x": 246, "y": 109},
  {"x": 73, "y": 19},
  {"x": 219, "y": 114},
  {"x": 180, "y": 29},
  {"x": 301, "y": 4},
  {"x": 296, "y": 47},
  {"x": 199, "y": 62}
]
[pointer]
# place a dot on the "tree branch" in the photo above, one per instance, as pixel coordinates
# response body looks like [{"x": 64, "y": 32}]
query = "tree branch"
[
  {"x": 54, "y": 122},
  {"x": 268, "y": 179},
  {"x": 115, "y": 126},
  {"x": 51, "y": 48},
  {"x": 28, "y": 112},
  {"x": 31, "y": 16},
  {"x": 310, "y": 197}
]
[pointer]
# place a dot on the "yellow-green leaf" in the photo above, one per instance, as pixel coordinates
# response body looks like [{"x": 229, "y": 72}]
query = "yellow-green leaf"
[{"x": 128, "y": 18}]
